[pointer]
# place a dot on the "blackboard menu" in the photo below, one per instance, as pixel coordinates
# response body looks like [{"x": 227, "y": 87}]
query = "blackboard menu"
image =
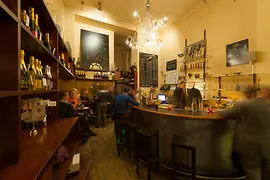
[
  {"x": 94, "y": 49},
  {"x": 171, "y": 65},
  {"x": 148, "y": 69}
]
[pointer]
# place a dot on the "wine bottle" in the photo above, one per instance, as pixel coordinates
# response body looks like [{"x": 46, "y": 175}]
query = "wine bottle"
[
  {"x": 32, "y": 74},
  {"x": 24, "y": 72},
  {"x": 47, "y": 41},
  {"x": 50, "y": 76},
  {"x": 38, "y": 32},
  {"x": 38, "y": 77},
  {"x": 62, "y": 59},
  {"x": 32, "y": 21}
]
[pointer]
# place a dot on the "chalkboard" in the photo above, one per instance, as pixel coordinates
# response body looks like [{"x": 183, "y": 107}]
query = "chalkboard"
[
  {"x": 148, "y": 69},
  {"x": 171, "y": 65},
  {"x": 94, "y": 49}
]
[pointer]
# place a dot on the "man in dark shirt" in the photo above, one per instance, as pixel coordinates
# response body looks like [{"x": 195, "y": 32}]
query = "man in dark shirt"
[
  {"x": 194, "y": 93},
  {"x": 84, "y": 97},
  {"x": 66, "y": 110},
  {"x": 179, "y": 96}
]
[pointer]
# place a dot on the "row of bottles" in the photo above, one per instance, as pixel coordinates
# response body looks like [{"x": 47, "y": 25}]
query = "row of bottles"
[
  {"x": 81, "y": 74},
  {"x": 31, "y": 22},
  {"x": 34, "y": 77},
  {"x": 194, "y": 65},
  {"x": 96, "y": 76},
  {"x": 63, "y": 62}
]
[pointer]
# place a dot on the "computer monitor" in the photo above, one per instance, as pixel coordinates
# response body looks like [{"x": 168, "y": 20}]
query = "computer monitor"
[{"x": 162, "y": 97}]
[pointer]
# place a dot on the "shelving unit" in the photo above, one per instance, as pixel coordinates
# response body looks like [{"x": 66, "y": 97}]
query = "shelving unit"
[{"x": 19, "y": 151}]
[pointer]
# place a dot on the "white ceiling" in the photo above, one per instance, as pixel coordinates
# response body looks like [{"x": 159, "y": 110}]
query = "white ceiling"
[{"x": 122, "y": 10}]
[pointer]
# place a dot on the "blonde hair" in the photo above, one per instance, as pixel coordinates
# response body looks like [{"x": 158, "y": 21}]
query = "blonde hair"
[{"x": 76, "y": 90}]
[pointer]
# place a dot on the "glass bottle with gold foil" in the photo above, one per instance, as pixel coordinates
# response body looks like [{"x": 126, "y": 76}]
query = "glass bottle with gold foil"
[
  {"x": 38, "y": 77},
  {"x": 39, "y": 34},
  {"x": 24, "y": 72},
  {"x": 25, "y": 18},
  {"x": 47, "y": 41},
  {"x": 32, "y": 21},
  {"x": 50, "y": 76},
  {"x": 32, "y": 74},
  {"x": 43, "y": 79},
  {"x": 62, "y": 59}
]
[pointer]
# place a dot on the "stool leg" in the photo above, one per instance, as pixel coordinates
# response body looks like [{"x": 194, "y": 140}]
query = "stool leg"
[
  {"x": 157, "y": 152},
  {"x": 173, "y": 161},
  {"x": 193, "y": 164},
  {"x": 148, "y": 155},
  {"x": 137, "y": 154}
]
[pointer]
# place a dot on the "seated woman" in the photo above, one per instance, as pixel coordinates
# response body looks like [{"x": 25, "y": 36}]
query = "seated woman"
[
  {"x": 66, "y": 110},
  {"x": 74, "y": 96}
]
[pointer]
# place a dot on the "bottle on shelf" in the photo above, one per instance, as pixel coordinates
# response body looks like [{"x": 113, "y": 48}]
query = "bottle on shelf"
[
  {"x": 32, "y": 21},
  {"x": 47, "y": 76},
  {"x": 62, "y": 59},
  {"x": 25, "y": 18},
  {"x": 50, "y": 76},
  {"x": 38, "y": 31},
  {"x": 68, "y": 67},
  {"x": 38, "y": 77},
  {"x": 43, "y": 79},
  {"x": 47, "y": 42},
  {"x": 24, "y": 72},
  {"x": 32, "y": 74}
]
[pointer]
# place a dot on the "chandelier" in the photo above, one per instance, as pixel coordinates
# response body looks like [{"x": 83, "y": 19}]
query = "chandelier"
[{"x": 145, "y": 36}]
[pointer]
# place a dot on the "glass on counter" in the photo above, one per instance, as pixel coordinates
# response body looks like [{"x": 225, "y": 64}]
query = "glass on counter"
[
  {"x": 200, "y": 105},
  {"x": 194, "y": 105}
]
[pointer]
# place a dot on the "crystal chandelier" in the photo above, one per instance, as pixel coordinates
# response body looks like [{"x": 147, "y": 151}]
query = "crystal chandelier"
[{"x": 145, "y": 36}]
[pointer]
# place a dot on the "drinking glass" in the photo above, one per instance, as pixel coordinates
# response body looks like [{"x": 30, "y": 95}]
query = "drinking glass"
[{"x": 200, "y": 104}]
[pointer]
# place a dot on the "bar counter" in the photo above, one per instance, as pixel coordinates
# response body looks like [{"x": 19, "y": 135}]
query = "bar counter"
[{"x": 211, "y": 135}]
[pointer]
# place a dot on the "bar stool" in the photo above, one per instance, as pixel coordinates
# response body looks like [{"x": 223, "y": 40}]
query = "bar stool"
[
  {"x": 177, "y": 142},
  {"x": 144, "y": 137},
  {"x": 124, "y": 139}
]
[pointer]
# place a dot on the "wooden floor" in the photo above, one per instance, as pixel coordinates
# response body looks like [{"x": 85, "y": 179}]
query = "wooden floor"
[{"x": 105, "y": 165}]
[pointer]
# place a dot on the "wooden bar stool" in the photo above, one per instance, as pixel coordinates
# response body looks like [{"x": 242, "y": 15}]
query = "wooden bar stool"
[
  {"x": 143, "y": 153},
  {"x": 177, "y": 142}
]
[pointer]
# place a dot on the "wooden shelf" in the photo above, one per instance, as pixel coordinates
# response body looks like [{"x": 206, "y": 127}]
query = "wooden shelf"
[
  {"x": 5, "y": 10},
  {"x": 85, "y": 163},
  {"x": 65, "y": 73},
  {"x": 9, "y": 93},
  {"x": 43, "y": 146},
  {"x": 26, "y": 92},
  {"x": 84, "y": 79},
  {"x": 32, "y": 45},
  {"x": 61, "y": 172}
]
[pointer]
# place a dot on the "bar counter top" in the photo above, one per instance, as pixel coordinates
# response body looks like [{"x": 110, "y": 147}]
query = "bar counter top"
[{"x": 177, "y": 112}]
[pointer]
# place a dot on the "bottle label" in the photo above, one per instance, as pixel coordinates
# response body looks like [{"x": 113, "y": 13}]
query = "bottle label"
[
  {"x": 27, "y": 20},
  {"x": 44, "y": 82}
]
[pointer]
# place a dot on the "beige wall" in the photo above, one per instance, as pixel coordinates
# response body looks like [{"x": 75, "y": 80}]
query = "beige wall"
[
  {"x": 120, "y": 57},
  {"x": 226, "y": 22}
]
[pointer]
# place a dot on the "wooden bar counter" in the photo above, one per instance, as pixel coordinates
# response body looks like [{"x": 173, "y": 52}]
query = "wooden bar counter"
[
  {"x": 37, "y": 152},
  {"x": 211, "y": 135}
]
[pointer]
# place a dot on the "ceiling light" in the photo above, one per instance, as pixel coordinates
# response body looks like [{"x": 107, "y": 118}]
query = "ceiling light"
[
  {"x": 165, "y": 19},
  {"x": 135, "y": 14}
]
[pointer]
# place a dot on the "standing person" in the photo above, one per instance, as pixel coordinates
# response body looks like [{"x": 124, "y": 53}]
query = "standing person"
[
  {"x": 194, "y": 93},
  {"x": 103, "y": 100},
  {"x": 122, "y": 102},
  {"x": 179, "y": 96},
  {"x": 252, "y": 135},
  {"x": 153, "y": 94}
]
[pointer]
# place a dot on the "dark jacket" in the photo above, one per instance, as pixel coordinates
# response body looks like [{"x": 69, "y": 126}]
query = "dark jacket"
[
  {"x": 193, "y": 93},
  {"x": 65, "y": 110},
  {"x": 253, "y": 126},
  {"x": 179, "y": 98},
  {"x": 85, "y": 100}
]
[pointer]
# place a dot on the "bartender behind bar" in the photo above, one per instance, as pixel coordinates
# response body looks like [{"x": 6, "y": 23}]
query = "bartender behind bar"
[
  {"x": 193, "y": 93},
  {"x": 179, "y": 96},
  {"x": 153, "y": 94}
]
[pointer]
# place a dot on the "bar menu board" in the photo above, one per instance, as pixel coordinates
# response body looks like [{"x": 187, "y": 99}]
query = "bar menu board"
[
  {"x": 148, "y": 69},
  {"x": 171, "y": 65},
  {"x": 94, "y": 49}
]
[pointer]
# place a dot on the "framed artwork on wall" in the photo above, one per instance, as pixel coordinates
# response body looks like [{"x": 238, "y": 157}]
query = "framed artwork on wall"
[
  {"x": 237, "y": 53},
  {"x": 94, "y": 50}
]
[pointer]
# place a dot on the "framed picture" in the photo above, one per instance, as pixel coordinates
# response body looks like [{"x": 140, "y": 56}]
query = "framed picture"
[
  {"x": 237, "y": 53},
  {"x": 195, "y": 51}
]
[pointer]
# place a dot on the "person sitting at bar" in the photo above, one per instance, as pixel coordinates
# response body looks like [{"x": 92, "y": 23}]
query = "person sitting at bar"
[
  {"x": 84, "y": 97},
  {"x": 194, "y": 93},
  {"x": 179, "y": 96},
  {"x": 74, "y": 98},
  {"x": 122, "y": 102},
  {"x": 153, "y": 94},
  {"x": 66, "y": 110}
]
